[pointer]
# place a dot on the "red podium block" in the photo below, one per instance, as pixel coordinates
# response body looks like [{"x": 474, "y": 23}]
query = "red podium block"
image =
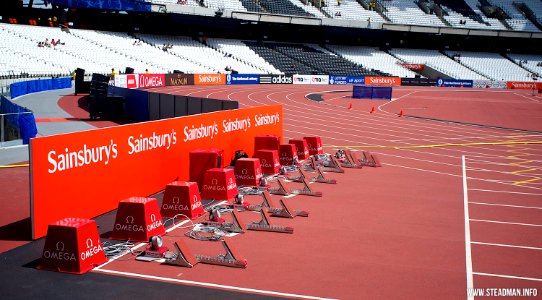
[
  {"x": 301, "y": 147},
  {"x": 287, "y": 154},
  {"x": 137, "y": 219},
  {"x": 72, "y": 245},
  {"x": 219, "y": 184},
  {"x": 266, "y": 142},
  {"x": 248, "y": 171},
  {"x": 182, "y": 197},
  {"x": 202, "y": 160},
  {"x": 269, "y": 161},
  {"x": 314, "y": 144}
]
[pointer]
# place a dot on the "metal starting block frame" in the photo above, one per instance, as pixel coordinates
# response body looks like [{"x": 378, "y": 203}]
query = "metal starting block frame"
[
  {"x": 185, "y": 258},
  {"x": 281, "y": 190},
  {"x": 350, "y": 161},
  {"x": 369, "y": 160},
  {"x": 320, "y": 178},
  {"x": 229, "y": 259},
  {"x": 265, "y": 225},
  {"x": 286, "y": 212},
  {"x": 306, "y": 190},
  {"x": 236, "y": 226}
]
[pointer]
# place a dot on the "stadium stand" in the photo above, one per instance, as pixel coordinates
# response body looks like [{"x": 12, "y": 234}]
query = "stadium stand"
[
  {"x": 351, "y": 10},
  {"x": 407, "y": 12},
  {"x": 280, "y": 61},
  {"x": 461, "y": 8},
  {"x": 461, "y": 21},
  {"x": 212, "y": 59},
  {"x": 283, "y": 7},
  {"x": 516, "y": 19},
  {"x": 234, "y": 5},
  {"x": 239, "y": 50},
  {"x": 530, "y": 62},
  {"x": 493, "y": 23},
  {"x": 492, "y": 65},
  {"x": 252, "y": 6},
  {"x": 309, "y": 8},
  {"x": 437, "y": 61},
  {"x": 372, "y": 58}
]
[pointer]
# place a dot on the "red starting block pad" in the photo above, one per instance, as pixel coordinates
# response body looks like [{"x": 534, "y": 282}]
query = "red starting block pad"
[
  {"x": 269, "y": 161},
  {"x": 287, "y": 154},
  {"x": 266, "y": 142},
  {"x": 137, "y": 219},
  {"x": 314, "y": 143},
  {"x": 219, "y": 184},
  {"x": 182, "y": 197},
  {"x": 301, "y": 147},
  {"x": 202, "y": 160},
  {"x": 72, "y": 245},
  {"x": 368, "y": 159},
  {"x": 248, "y": 171}
]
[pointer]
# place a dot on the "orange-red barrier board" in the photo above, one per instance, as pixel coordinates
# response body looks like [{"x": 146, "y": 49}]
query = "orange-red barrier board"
[{"x": 85, "y": 174}]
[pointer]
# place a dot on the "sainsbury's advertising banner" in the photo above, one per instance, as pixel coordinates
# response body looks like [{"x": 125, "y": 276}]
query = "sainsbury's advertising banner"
[{"x": 85, "y": 174}]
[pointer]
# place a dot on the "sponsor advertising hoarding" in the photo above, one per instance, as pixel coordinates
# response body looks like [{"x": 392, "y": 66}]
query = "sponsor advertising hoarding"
[
  {"x": 242, "y": 79},
  {"x": 276, "y": 79},
  {"x": 454, "y": 83},
  {"x": 209, "y": 79},
  {"x": 379, "y": 80},
  {"x": 179, "y": 79},
  {"x": 85, "y": 174}
]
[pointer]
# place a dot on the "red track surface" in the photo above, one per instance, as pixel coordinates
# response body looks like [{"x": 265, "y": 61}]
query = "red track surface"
[{"x": 395, "y": 232}]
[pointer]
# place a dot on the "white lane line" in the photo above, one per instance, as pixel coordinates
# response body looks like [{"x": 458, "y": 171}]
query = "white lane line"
[
  {"x": 506, "y": 245},
  {"x": 505, "y": 205},
  {"x": 212, "y": 285},
  {"x": 507, "y": 223},
  {"x": 468, "y": 253},
  {"x": 507, "y": 276}
]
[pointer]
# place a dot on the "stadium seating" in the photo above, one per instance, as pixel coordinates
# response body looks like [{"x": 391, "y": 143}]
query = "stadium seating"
[
  {"x": 407, "y": 12},
  {"x": 239, "y": 50},
  {"x": 492, "y": 65},
  {"x": 234, "y": 5},
  {"x": 372, "y": 58},
  {"x": 494, "y": 24},
  {"x": 351, "y": 10},
  {"x": 437, "y": 61},
  {"x": 530, "y": 62},
  {"x": 252, "y": 6},
  {"x": 283, "y": 7},
  {"x": 517, "y": 20}
]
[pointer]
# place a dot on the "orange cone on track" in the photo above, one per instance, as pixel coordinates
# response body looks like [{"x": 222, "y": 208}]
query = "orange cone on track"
[
  {"x": 401, "y": 113},
  {"x": 350, "y": 106},
  {"x": 372, "y": 110}
]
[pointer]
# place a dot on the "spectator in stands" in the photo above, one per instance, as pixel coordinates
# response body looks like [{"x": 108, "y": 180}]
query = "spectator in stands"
[
  {"x": 146, "y": 71},
  {"x": 338, "y": 14},
  {"x": 46, "y": 43},
  {"x": 113, "y": 72},
  {"x": 338, "y": 2},
  {"x": 40, "y": 44},
  {"x": 53, "y": 42}
]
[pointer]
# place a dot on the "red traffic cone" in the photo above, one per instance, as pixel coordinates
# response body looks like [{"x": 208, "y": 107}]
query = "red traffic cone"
[
  {"x": 401, "y": 113},
  {"x": 372, "y": 110},
  {"x": 350, "y": 106}
]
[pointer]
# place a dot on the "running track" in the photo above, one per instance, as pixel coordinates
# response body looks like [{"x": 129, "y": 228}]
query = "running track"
[{"x": 453, "y": 207}]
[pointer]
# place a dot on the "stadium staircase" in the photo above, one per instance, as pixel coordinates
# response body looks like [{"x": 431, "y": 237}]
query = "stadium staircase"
[{"x": 463, "y": 64}]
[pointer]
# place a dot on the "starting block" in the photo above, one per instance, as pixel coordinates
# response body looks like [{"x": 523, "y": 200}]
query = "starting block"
[
  {"x": 183, "y": 257},
  {"x": 235, "y": 225},
  {"x": 265, "y": 225},
  {"x": 333, "y": 166},
  {"x": 72, "y": 245},
  {"x": 285, "y": 212},
  {"x": 228, "y": 259},
  {"x": 369, "y": 160},
  {"x": 350, "y": 160},
  {"x": 281, "y": 190},
  {"x": 306, "y": 190},
  {"x": 320, "y": 178},
  {"x": 155, "y": 248}
]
